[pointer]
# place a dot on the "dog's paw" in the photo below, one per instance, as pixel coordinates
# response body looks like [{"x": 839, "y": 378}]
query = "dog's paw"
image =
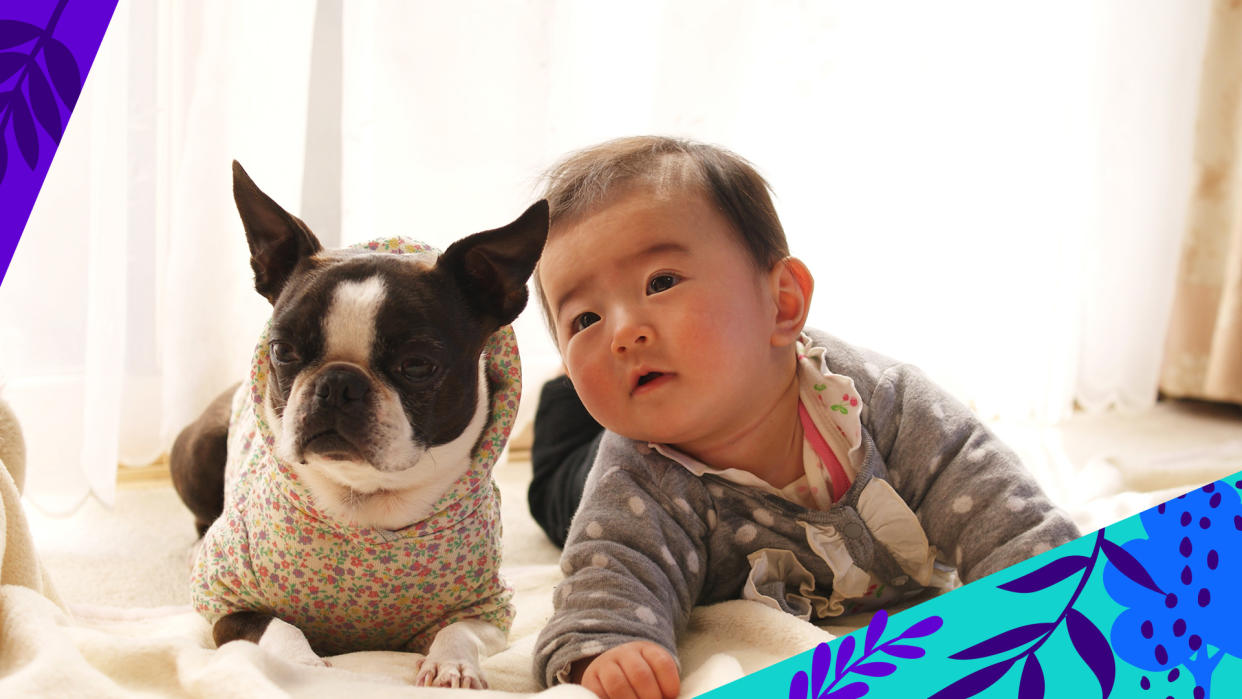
[
  {"x": 287, "y": 641},
  {"x": 449, "y": 674}
]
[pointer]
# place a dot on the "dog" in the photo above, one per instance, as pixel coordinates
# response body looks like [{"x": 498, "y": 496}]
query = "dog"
[{"x": 344, "y": 493}]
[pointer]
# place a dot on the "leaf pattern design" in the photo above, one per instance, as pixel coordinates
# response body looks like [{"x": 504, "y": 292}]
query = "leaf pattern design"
[
  {"x": 874, "y": 631},
  {"x": 819, "y": 666},
  {"x": 24, "y": 129},
  {"x": 976, "y": 681},
  {"x": 44, "y": 104},
  {"x": 854, "y": 690},
  {"x": 875, "y": 669},
  {"x": 63, "y": 70},
  {"x": 1048, "y": 575},
  {"x": 903, "y": 651},
  {"x": 32, "y": 96},
  {"x": 10, "y": 63},
  {"x": 803, "y": 687},
  {"x": 1129, "y": 566},
  {"x": 844, "y": 651},
  {"x": 798, "y": 686},
  {"x": 1031, "y": 686},
  {"x": 13, "y": 33},
  {"x": 1189, "y": 621},
  {"x": 1093, "y": 648},
  {"x": 923, "y": 628},
  {"x": 1004, "y": 641},
  {"x": 1090, "y": 644}
]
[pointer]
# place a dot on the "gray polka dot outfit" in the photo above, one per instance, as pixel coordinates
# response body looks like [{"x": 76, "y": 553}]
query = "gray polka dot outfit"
[{"x": 651, "y": 539}]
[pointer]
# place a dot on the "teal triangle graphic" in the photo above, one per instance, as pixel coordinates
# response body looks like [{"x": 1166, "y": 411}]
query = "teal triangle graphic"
[{"x": 1148, "y": 607}]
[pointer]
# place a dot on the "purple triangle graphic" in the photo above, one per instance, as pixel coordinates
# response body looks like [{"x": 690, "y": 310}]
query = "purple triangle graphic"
[{"x": 46, "y": 51}]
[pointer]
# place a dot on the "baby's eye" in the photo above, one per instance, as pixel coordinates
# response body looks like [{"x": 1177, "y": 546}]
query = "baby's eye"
[
  {"x": 662, "y": 282},
  {"x": 582, "y": 321}
]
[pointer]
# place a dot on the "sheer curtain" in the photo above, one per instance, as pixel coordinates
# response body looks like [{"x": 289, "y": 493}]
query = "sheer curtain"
[
  {"x": 1203, "y": 354},
  {"x": 992, "y": 191},
  {"x": 128, "y": 305}
]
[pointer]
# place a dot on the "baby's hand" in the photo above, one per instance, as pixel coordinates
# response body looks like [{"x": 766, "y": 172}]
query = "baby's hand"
[{"x": 635, "y": 670}]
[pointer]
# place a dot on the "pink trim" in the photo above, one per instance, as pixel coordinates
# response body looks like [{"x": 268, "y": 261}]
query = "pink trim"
[{"x": 840, "y": 481}]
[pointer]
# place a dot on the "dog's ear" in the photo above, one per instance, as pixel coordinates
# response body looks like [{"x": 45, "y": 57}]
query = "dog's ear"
[
  {"x": 278, "y": 240},
  {"x": 492, "y": 267}
]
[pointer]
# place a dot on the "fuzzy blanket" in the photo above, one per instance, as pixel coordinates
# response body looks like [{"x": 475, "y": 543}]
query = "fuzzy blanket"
[{"x": 48, "y": 648}]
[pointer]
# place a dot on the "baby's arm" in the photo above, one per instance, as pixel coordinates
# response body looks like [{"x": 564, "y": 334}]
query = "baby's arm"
[
  {"x": 979, "y": 506},
  {"x": 634, "y": 564}
]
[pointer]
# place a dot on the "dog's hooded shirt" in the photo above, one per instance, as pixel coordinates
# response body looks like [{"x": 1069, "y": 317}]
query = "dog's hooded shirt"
[{"x": 352, "y": 588}]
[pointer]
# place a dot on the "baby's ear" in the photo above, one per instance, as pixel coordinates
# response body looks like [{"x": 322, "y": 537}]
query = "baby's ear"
[{"x": 792, "y": 287}]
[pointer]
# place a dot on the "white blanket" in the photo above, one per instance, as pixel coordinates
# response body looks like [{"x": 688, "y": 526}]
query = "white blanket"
[{"x": 47, "y": 649}]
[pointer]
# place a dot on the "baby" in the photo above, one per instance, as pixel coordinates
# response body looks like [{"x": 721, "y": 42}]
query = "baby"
[{"x": 743, "y": 457}]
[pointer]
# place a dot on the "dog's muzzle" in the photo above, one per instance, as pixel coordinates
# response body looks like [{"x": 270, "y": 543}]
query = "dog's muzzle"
[
  {"x": 337, "y": 422},
  {"x": 341, "y": 388}
]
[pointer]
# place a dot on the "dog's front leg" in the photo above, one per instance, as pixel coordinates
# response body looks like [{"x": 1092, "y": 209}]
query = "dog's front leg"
[
  {"x": 456, "y": 652},
  {"x": 280, "y": 638}
]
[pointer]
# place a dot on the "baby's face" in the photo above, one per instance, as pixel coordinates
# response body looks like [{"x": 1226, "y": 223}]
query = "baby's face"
[{"x": 664, "y": 322}]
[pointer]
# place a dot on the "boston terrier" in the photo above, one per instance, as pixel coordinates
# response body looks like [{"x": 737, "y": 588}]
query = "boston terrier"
[{"x": 344, "y": 491}]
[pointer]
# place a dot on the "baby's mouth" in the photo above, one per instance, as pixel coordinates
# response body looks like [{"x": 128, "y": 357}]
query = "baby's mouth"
[{"x": 649, "y": 376}]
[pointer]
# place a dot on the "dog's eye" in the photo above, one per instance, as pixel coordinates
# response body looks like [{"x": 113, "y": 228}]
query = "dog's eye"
[
  {"x": 284, "y": 353},
  {"x": 418, "y": 368}
]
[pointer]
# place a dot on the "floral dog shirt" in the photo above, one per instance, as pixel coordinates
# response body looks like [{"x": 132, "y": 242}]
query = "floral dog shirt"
[{"x": 351, "y": 588}]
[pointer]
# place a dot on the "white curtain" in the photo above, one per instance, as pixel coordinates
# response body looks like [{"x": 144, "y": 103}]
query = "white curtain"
[
  {"x": 993, "y": 191},
  {"x": 127, "y": 305}
]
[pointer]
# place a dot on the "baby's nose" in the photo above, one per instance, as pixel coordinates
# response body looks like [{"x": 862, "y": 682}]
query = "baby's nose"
[{"x": 630, "y": 336}]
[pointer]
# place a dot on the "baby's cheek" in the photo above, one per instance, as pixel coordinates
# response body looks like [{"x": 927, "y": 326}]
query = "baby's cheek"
[{"x": 589, "y": 384}]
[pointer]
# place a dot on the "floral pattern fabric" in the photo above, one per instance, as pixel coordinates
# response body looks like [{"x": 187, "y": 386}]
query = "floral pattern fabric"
[{"x": 351, "y": 588}]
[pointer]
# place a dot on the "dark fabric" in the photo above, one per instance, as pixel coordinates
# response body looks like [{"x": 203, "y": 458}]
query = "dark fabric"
[{"x": 566, "y": 441}]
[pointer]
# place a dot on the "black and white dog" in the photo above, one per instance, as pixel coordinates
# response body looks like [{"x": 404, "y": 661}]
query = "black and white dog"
[{"x": 344, "y": 491}]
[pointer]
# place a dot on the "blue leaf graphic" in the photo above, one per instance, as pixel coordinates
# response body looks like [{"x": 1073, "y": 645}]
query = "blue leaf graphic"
[
  {"x": 1129, "y": 566},
  {"x": 797, "y": 686},
  {"x": 875, "y": 630},
  {"x": 10, "y": 63},
  {"x": 852, "y": 690},
  {"x": 903, "y": 651},
  {"x": 821, "y": 663},
  {"x": 62, "y": 68},
  {"x": 44, "y": 104},
  {"x": 24, "y": 129},
  {"x": 4, "y": 156},
  {"x": 1002, "y": 642},
  {"x": 925, "y": 627},
  {"x": 1048, "y": 575},
  {"x": 844, "y": 651},
  {"x": 1032, "y": 684},
  {"x": 976, "y": 681},
  {"x": 1093, "y": 648},
  {"x": 875, "y": 669},
  {"x": 13, "y": 33}
]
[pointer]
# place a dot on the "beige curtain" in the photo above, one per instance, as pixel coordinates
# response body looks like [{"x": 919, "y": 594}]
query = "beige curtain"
[{"x": 1203, "y": 353}]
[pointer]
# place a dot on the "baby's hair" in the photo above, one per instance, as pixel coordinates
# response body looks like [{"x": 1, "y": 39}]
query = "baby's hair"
[{"x": 588, "y": 179}]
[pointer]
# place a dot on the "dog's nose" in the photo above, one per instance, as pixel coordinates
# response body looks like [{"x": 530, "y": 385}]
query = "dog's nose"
[{"x": 340, "y": 387}]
